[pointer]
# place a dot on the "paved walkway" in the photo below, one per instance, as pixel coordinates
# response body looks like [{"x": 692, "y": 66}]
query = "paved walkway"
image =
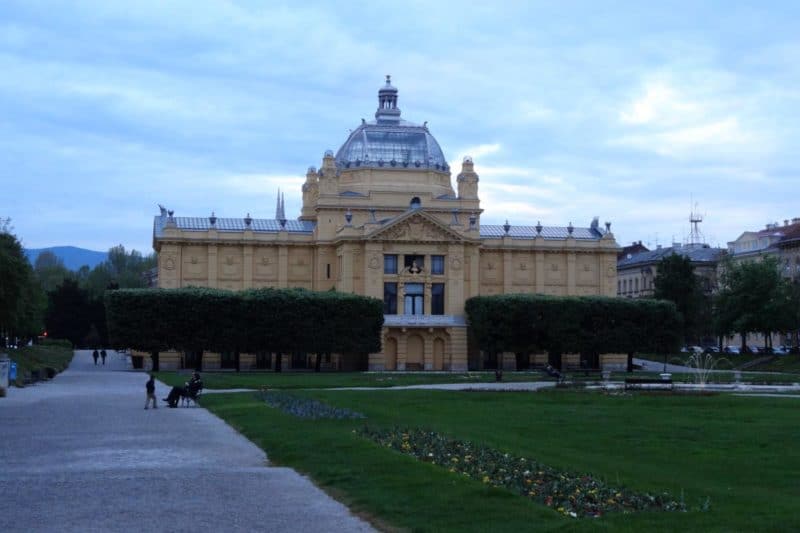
[{"x": 79, "y": 453}]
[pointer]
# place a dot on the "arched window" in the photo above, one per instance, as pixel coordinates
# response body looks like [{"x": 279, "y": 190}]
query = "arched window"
[{"x": 416, "y": 203}]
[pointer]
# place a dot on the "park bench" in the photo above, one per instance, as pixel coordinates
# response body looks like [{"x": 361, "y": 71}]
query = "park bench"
[{"x": 638, "y": 383}]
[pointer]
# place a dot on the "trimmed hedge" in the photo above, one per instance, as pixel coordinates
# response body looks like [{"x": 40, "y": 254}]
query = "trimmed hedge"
[
  {"x": 524, "y": 323},
  {"x": 274, "y": 320}
]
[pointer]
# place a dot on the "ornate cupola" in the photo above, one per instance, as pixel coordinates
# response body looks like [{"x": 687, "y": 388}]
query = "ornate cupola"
[{"x": 387, "y": 112}]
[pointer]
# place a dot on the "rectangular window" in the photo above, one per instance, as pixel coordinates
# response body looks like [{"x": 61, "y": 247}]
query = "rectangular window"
[
  {"x": 390, "y": 298},
  {"x": 437, "y": 265},
  {"x": 328, "y": 270},
  {"x": 437, "y": 298},
  {"x": 413, "y": 300},
  {"x": 390, "y": 264}
]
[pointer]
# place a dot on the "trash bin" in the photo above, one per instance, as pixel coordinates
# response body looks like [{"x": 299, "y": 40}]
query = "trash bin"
[{"x": 12, "y": 372}]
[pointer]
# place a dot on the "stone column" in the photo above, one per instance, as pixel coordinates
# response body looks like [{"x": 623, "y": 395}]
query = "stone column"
[
  {"x": 427, "y": 350},
  {"x": 458, "y": 349},
  {"x": 426, "y": 297},
  {"x": 402, "y": 349}
]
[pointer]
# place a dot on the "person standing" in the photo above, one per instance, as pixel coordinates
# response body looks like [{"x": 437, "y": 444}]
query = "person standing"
[
  {"x": 151, "y": 392},
  {"x": 103, "y": 355},
  {"x": 95, "y": 355}
]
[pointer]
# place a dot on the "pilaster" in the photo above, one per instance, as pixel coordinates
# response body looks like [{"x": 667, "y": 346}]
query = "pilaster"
[
  {"x": 283, "y": 266},
  {"x": 213, "y": 265}
]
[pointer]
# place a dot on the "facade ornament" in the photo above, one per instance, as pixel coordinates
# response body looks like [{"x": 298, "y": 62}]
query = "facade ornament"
[
  {"x": 539, "y": 227},
  {"x": 454, "y": 220},
  {"x": 212, "y": 219},
  {"x": 348, "y": 216},
  {"x": 608, "y": 226},
  {"x": 506, "y": 226},
  {"x": 248, "y": 220},
  {"x": 570, "y": 228},
  {"x": 473, "y": 218}
]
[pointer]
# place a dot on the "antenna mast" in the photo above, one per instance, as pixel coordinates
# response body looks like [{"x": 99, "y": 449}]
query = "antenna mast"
[{"x": 695, "y": 218}]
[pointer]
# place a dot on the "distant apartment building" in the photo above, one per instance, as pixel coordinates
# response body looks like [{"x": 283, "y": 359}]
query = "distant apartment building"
[
  {"x": 775, "y": 240},
  {"x": 636, "y": 272}
]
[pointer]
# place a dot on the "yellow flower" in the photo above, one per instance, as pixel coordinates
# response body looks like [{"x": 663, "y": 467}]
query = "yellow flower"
[{"x": 486, "y": 479}]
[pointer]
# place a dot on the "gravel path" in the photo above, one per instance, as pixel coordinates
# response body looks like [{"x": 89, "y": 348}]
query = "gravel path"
[{"x": 79, "y": 453}]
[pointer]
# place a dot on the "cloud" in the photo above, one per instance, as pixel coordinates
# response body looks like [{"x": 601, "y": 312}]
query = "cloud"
[
  {"x": 660, "y": 104},
  {"x": 686, "y": 119}
]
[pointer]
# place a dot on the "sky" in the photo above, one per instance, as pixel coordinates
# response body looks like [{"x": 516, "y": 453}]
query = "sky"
[{"x": 636, "y": 112}]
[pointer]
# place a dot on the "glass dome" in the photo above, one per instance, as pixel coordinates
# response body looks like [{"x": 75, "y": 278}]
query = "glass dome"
[{"x": 390, "y": 142}]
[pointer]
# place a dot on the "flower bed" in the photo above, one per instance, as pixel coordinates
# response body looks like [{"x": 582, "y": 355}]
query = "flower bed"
[
  {"x": 305, "y": 407},
  {"x": 568, "y": 493}
]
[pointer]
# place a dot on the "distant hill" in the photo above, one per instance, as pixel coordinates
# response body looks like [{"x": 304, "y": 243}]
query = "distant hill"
[{"x": 74, "y": 258}]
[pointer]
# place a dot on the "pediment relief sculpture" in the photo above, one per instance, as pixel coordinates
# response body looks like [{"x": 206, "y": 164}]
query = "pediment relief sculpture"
[{"x": 418, "y": 229}]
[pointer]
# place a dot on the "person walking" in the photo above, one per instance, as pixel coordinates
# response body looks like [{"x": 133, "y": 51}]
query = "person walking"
[
  {"x": 95, "y": 355},
  {"x": 151, "y": 392},
  {"x": 103, "y": 355}
]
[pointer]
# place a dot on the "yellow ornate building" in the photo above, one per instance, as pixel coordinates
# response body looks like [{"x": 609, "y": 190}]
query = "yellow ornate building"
[{"x": 381, "y": 218}]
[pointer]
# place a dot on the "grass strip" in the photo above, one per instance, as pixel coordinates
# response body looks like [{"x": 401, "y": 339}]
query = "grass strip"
[{"x": 43, "y": 360}]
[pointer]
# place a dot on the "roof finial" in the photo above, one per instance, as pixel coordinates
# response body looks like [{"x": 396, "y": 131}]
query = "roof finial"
[{"x": 388, "y": 79}]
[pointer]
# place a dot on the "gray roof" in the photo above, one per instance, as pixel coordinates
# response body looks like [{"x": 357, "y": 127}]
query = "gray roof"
[
  {"x": 489, "y": 231},
  {"x": 697, "y": 253},
  {"x": 264, "y": 225}
]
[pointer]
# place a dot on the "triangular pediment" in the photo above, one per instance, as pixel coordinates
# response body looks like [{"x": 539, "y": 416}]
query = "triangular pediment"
[{"x": 416, "y": 226}]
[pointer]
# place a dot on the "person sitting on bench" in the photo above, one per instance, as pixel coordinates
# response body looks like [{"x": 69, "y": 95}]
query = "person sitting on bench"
[
  {"x": 553, "y": 372},
  {"x": 194, "y": 386}
]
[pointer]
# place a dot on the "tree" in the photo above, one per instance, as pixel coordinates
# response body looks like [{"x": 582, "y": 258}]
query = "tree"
[
  {"x": 50, "y": 271},
  {"x": 676, "y": 281},
  {"x": 589, "y": 325},
  {"x": 754, "y": 297},
  {"x": 21, "y": 299},
  {"x": 68, "y": 313}
]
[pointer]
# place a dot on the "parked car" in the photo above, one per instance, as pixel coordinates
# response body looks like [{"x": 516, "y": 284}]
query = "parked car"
[
  {"x": 780, "y": 350},
  {"x": 734, "y": 350},
  {"x": 711, "y": 349}
]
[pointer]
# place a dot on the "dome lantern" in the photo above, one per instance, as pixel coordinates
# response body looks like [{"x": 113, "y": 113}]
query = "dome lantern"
[{"x": 387, "y": 112}]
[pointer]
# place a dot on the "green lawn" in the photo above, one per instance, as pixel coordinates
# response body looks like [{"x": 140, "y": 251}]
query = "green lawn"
[
  {"x": 326, "y": 380},
  {"x": 329, "y": 380},
  {"x": 740, "y": 453}
]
